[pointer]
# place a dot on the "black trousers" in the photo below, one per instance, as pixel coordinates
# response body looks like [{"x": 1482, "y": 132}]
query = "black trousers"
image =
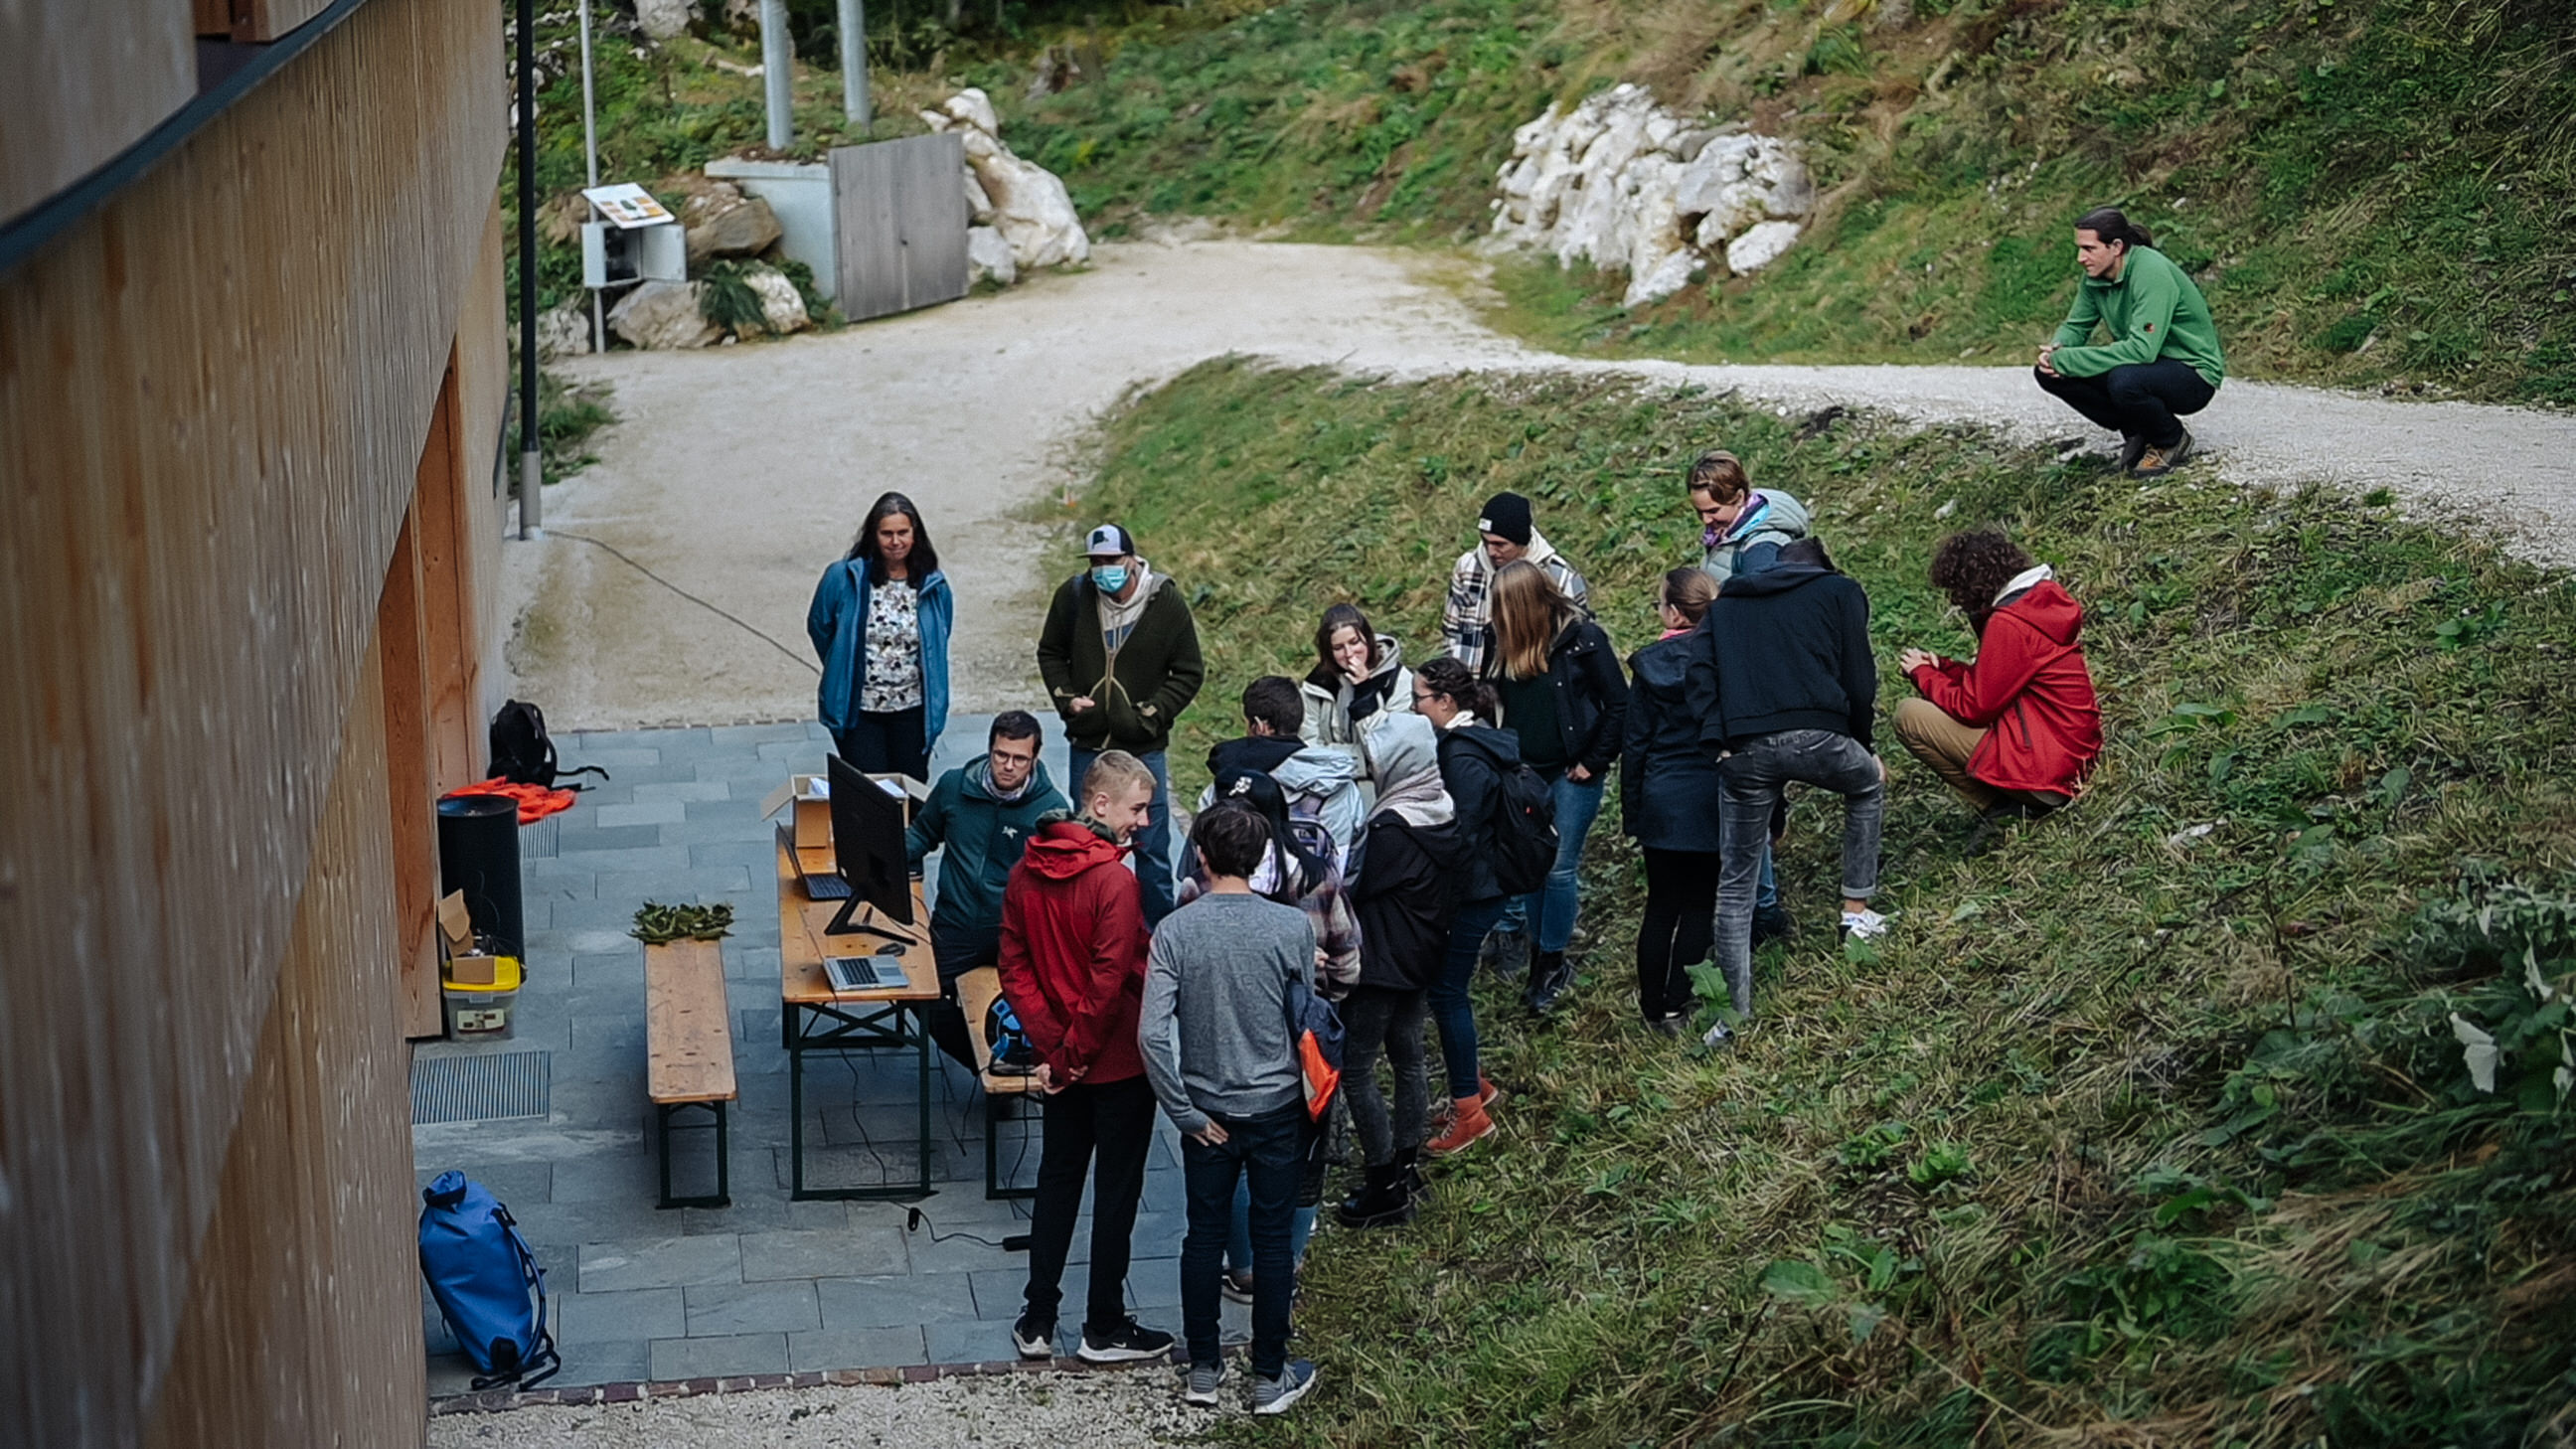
[
  {"x": 1115, "y": 1122},
  {"x": 1679, "y": 929},
  {"x": 2140, "y": 400},
  {"x": 958, "y": 950},
  {"x": 886, "y": 744}
]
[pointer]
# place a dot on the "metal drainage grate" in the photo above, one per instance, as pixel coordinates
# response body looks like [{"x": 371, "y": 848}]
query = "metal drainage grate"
[
  {"x": 482, "y": 1088},
  {"x": 542, "y": 840}
]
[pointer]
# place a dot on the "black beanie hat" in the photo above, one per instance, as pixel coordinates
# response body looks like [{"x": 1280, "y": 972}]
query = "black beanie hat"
[{"x": 1507, "y": 516}]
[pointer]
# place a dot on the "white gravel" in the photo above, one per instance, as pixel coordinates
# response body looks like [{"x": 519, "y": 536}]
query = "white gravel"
[
  {"x": 1135, "y": 1409},
  {"x": 739, "y": 472}
]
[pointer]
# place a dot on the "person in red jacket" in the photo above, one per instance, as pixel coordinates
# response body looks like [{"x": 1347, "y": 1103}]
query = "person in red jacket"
[
  {"x": 2015, "y": 730},
  {"x": 1073, "y": 968}
]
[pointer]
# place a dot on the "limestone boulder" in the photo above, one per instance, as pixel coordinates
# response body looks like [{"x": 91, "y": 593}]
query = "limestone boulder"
[
  {"x": 989, "y": 257},
  {"x": 1025, "y": 203},
  {"x": 663, "y": 317},
  {"x": 782, "y": 307},
  {"x": 1761, "y": 244},
  {"x": 722, "y": 222},
  {"x": 662, "y": 19},
  {"x": 564, "y": 331}
]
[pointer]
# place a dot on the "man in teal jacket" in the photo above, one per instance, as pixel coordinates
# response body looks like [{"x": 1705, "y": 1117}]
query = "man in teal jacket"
[
  {"x": 980, "y": 816},
  {"x": 2163, "y": 359}
]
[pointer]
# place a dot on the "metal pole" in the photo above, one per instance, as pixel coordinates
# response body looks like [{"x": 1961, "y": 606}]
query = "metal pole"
[
  {"x": 854, "y": 62},
  {"x": 531, "y": 470},
  {"x": 590, "y": 167},
  {"x": 777, "y": 56}
]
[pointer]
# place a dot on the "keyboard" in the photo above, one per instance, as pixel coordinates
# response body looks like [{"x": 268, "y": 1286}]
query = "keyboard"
[{"x": 826, "y": 888}]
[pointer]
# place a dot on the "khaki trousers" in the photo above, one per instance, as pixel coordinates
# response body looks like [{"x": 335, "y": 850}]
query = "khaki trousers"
[{"x": 1944, "y": 744}]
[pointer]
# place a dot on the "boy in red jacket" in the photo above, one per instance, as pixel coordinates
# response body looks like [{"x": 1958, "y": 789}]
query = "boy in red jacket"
[
  {"x": 1073, "y": 967},
  {"x": 2016, "y": 729}
]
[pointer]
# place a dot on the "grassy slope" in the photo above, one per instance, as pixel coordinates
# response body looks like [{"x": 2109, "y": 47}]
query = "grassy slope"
[
  {"x": 2367, "y": 190},
  {"x": 2135, "y": 1139}
]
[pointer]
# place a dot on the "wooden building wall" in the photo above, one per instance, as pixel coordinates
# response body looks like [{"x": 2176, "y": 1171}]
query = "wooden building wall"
[
  {"x": 80, "y": 82},
  {"x": 217, "y": 396}
]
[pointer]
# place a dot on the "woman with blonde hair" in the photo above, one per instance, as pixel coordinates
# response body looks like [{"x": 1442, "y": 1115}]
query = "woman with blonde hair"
[{"x": 1562, "y": 694}]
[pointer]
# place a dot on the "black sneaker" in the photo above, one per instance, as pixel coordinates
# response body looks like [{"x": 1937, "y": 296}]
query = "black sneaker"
[
  {"x": 2133, "y": 446},
  {"x": 1550, "y": 974},
  {"x": 1771, "y": 923},
  {"x": 1668, "y": 1025},
  {"x": 1127, "y": 1342},
  {"x": 1033, "y": 1338}
]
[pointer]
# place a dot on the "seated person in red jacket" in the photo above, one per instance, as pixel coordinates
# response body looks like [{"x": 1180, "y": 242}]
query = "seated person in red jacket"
[{"x": 2016, "y": 729}]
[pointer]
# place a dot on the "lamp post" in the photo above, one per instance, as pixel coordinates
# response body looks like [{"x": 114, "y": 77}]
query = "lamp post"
[
  {"x": 777, "y": 56},
  {"x": 532, "y": 473}
]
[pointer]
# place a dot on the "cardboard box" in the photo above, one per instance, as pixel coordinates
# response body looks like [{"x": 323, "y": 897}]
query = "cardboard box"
[
  {"x": 812, "y": 822},
  {"x": 475, "y": 968},
  {"x": 455, "y": 924}
]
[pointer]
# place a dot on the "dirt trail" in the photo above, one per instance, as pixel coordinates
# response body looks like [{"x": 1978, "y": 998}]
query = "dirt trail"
[{"x": 739, "y": 473}]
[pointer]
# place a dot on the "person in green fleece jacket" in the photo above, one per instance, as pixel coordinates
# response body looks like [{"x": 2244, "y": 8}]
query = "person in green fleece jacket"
[
  {"x": 979, "y": 817},
  {"x": 2162, "y": 362}
]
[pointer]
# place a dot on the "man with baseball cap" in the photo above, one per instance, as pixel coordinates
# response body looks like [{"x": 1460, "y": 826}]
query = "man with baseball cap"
[
  {"x": 1505, "y": 535},
  {"x": 1120, "y": 657}
]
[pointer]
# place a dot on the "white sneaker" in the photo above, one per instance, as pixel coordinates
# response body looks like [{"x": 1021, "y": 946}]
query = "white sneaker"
[{"x": 1864, "y": 925}]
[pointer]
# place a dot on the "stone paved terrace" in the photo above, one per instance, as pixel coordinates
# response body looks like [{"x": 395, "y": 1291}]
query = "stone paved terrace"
[{"x": 767, "y": 1285}]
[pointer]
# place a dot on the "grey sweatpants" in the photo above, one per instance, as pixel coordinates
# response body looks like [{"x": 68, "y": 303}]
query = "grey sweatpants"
[{"x": 1750, "y": 781}]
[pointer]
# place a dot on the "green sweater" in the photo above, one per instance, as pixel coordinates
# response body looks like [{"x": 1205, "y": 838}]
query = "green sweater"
[
  {"x": 2152, "y": 310},
  {"x": 1135, "y": 698}
]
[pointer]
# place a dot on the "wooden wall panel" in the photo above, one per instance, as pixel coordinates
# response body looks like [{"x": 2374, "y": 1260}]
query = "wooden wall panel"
[
  {"x": 214, "y": 394},
  {"x": 81, "y": 82},
  {"x": 411, "y": 805},
  {"x": 285, "y": 1338},
  {"x": 268, "y": 19},
  {"x": 457, "y": 742},
  {"x": 483, "y": 384}
]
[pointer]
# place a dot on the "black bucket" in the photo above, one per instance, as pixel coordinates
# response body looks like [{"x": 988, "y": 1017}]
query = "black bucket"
[{"x": 478, "y": 853}]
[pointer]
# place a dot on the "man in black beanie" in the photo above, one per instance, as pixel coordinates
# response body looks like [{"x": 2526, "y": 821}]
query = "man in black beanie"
[{"x": 1505, "y": 535}]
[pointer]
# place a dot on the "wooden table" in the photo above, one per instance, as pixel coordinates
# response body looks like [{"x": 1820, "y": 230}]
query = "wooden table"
[{"x": 813, "y": 1017}]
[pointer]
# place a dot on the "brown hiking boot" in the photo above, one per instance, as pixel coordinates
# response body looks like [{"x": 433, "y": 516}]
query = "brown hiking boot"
[
  {"x": 1468, "y": 1125},
  {"x": 1487, "y": 1094},
  {"x": 2157, "y": 462}
]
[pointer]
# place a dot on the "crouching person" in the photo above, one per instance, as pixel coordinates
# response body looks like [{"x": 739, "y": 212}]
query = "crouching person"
[
  {"x": 2016, "y": 729},
  {"x": 1223, "y": 1060}
]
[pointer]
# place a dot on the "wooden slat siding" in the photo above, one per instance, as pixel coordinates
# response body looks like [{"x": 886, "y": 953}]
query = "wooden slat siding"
[
  {"x": 483, "y": 384},
  {"x": 410, "y": 803},
  {"x": 81, "y": 82},
  {"x": 255, "y": 20},
  {"x": 286, "y": 1338},
  {"x": 447, "y": 551},
  {"x": 213, "y": 397},
  {"x": 688, "y": 1025},
  {"x": 213, "y": 17}
]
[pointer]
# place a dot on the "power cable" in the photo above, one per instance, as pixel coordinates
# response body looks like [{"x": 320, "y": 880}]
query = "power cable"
[{"x": 734, "y": 619}]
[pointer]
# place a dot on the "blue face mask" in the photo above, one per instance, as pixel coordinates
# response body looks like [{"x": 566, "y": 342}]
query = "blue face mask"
[{"x": 1109, "y": 578}]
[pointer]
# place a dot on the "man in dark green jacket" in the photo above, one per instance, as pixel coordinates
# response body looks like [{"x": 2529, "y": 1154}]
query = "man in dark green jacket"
[
  {"x": 1120, "y": 657},
  {"x": 2162, "y": 360},
  {"x": 980, "y": 818}
]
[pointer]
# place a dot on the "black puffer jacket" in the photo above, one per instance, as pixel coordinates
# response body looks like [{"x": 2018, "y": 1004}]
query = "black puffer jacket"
[
  {"x": 1668, "y": 784},
  {"x": 1473, "y": 758},
  {"x": 1406, "y": 896},
  {"x": 1591, "y": 697}
]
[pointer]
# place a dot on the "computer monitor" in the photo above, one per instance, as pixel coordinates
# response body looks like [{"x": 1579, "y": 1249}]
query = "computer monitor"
[{"x": 867, "y": 840}]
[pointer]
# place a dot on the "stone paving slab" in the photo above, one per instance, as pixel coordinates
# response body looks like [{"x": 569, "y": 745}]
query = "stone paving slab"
[{"x": 767, "y": 1285}]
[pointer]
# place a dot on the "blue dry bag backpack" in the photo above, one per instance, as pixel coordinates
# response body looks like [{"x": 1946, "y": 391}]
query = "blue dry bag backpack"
[{"x": 484, "y": 1278}]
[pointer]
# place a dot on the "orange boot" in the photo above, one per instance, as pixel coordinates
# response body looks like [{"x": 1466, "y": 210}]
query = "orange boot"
[{"x": 1468, "y": 1124}]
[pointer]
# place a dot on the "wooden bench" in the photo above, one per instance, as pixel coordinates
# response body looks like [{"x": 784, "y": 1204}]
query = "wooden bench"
[
  {"x": 976, "y": 991},
  {"x": 688, "y": 1045}
]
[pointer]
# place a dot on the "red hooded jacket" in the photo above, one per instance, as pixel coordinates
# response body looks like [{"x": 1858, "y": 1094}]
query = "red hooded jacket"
[
  {"x": 1073, "y": 952},
  {"x": 2029, "y": 690}
]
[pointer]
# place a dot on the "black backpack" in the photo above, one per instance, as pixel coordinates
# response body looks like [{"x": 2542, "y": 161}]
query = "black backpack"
[
  {"x": 523, "y": 755},
  {"x": 1524, "y": 830}
]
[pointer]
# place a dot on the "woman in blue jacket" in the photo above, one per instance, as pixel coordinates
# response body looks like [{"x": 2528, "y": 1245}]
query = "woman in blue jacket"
[{"x": 880, "y": 620}]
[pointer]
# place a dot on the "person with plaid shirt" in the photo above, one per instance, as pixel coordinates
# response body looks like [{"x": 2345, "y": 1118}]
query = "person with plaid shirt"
[{"x": 1506, "y": 535}]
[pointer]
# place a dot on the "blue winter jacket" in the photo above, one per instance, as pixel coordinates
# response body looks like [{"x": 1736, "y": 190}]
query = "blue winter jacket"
[{"x": 837, "y": 622}]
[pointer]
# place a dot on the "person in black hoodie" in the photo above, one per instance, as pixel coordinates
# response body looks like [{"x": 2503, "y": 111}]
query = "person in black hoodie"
[
  {"x": 1474, "y": 756},
  {"x": 1562, "y": 693},
  {"x": 1782, "y": 685},
  {"x": 1406, "y": 895}
]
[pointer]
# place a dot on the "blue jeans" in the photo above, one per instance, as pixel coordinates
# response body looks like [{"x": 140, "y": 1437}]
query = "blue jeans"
[
  {"x": 1750, "y": 779},
  {"x": 1153, "y": 843},
  {"x": 1238, "y": 1240},
  {"x": 1453, "y": 1012},
  {"x": 1268, "y": 1154},
  {"x": 1550, "y": 909}
]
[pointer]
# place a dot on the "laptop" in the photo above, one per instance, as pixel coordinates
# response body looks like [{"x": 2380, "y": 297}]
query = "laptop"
[{"x": 865, "y": 973}]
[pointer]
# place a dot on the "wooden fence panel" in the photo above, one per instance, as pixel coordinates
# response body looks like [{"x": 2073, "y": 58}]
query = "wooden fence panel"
[{"x": 899, "y": 221}]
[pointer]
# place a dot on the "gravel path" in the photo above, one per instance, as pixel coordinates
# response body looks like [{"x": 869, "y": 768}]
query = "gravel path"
[
  {"x": 1140, "y": 1409},
  {"x": 738, "y": 473}
]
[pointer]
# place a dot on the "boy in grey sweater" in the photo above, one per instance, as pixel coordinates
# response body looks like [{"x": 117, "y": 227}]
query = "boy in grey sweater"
[{"x": 1222, "y": 1057}]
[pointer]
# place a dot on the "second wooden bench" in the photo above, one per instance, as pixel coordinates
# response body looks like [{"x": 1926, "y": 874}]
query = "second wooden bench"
[{"x": 688, "y": 1045}]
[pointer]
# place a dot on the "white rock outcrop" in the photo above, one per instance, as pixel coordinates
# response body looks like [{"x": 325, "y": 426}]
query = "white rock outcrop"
[
  {"x": 782, "y": 307},
  {"x": 1627, "y": 185},
  {"x": 1023, "y": 202},
  {"x": 564, "y": 331},
  {"x": 662, "y": 19},
  {"x": 663, "y": 316},
  {"x": 988, "y": 256}
]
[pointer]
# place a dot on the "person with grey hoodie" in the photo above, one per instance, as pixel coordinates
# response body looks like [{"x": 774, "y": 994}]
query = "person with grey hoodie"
[
  {"x": 1742, "y": 528},
  {"x": 1322, "y": 781},
  {"x": 1220, "y": 1049}
]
